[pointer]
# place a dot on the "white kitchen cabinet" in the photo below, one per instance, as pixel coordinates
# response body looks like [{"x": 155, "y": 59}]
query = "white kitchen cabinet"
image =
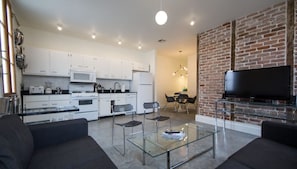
[
  {"x": 118, "y": 98},
  {"x": 102, "y": 68},
  {"x": 115, "y": 69},
  {"x": 46, "y": 118},
  {"x": 104, "y": 105},
  {"x": 59, "y": 100},
  {"x": 37, "y": 60},
  {"x": 41, "y": 101},
  {"x": 46, "y": 62},
  {"x": 126, "y": 70},
  {"x": 59, "y": 63},
  {"x": 31, "y": 102},
  {"x": 91, "y": 61},
  {"x": 137, "y": 66},
  {"x": 82, "y": 62},
  {"x": 131, "y": 99}
]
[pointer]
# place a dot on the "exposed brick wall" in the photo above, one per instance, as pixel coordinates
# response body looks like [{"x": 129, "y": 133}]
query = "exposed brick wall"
[
  {"x": 295, "y": 52},
  {"x": 260, "y": 41},
  {"x": 214, "y": 60}
]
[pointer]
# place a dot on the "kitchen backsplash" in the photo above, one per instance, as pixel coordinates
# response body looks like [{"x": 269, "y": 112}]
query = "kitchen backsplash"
[{"x": 64, "y": 82}]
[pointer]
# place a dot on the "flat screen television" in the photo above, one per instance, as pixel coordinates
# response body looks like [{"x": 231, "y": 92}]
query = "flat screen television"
[{"x": 259, "y": 84}]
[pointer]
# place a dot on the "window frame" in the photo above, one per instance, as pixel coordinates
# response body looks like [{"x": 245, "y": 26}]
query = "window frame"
[{"x": 8, "y": 71}]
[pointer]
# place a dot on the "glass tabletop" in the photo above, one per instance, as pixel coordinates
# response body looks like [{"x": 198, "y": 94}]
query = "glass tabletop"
[{"x": 165, "y": 140}]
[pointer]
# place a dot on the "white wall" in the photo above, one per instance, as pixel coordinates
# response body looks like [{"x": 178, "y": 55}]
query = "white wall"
[
  {"x": 192, "y": 75},
  {"x": 164, "y": 81},
  {"x": 58, "y": 41}
]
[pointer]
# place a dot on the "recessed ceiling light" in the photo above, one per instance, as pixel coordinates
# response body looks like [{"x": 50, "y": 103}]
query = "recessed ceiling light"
[
  {"x": 59, "y": 27},
  {"x": 119, "y": 42},
  {"x": 139, "y": 47},
  {"x": 93, "y": 36},
  {"x": 192, "y": 23}
]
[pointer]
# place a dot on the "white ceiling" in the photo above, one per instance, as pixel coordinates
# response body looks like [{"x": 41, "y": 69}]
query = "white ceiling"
[{"x": 132, "y": 21}]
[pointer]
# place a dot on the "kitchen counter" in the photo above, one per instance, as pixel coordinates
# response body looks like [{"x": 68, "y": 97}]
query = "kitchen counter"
[
  {"x": 26, "y": 92},
  {"x": 48, "y": 110},
  {"x": 117, "y": 91}
]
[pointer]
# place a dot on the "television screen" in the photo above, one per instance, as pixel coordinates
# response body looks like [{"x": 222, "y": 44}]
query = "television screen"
[{"x": 266, "y": 83}]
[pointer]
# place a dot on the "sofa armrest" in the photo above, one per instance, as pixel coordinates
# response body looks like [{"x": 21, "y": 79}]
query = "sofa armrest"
[
  {"x": 283, "y": 133},
  {"x": 58, "y": 132}
]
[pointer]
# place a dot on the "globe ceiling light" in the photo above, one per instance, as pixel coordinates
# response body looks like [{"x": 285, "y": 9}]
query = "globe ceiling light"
[{"x": 161, "y": 17}]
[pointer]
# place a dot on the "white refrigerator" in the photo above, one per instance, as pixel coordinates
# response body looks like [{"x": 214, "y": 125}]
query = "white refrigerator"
[{"x": 142, "y": 84}]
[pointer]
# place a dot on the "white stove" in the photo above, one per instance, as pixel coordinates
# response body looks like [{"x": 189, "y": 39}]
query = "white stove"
[
  {"x": 86, "y": 100},
  {"x": 83, "y": 94}
]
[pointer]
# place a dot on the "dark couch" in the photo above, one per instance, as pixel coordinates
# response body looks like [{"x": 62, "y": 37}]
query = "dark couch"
[
  {"x": 57, "y": 145},
  {"x": 276, "y": 149}
]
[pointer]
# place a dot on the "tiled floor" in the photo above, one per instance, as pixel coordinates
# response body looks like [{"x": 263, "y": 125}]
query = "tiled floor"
[{"x": 226, "y": 142}]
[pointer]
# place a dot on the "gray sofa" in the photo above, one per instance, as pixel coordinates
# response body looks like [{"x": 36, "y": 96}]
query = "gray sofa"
[
  {"x": 57, "y": 145},
  {"x": 276, "y": 149}
]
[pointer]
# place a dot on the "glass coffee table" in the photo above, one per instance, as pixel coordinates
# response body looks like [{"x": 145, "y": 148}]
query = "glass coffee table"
[{"x": 162, "y": 142}]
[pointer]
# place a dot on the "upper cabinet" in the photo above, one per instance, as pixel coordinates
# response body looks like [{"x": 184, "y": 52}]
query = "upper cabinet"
[
  {"x": 115, "y": 69},
  {"x": 59, "y": 63},
  {"x": 45, "y": 62},
  {"x": 37, "y": 60},
  {"x": 140, "y": 67},
  {"x": 126, "y": 69},
  {"x": 82, "y": 62},
  {"x": 102, "y": 68}
]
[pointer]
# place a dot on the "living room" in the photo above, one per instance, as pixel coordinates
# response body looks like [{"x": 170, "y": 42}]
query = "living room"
[{"x": 260, "y": 39}]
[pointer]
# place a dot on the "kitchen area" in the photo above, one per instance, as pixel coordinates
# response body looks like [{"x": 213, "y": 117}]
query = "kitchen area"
[{"x": 80, "y": 86}]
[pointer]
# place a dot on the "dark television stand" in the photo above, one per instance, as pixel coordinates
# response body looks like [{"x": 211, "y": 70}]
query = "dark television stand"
[{"x": 221, "y": 107}]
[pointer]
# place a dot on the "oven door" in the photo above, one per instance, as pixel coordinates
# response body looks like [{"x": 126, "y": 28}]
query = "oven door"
[{"x": 85, "y": 104}]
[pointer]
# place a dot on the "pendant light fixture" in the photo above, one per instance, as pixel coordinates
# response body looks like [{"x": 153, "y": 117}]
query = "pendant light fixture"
[{"x": 161, "y": 16}]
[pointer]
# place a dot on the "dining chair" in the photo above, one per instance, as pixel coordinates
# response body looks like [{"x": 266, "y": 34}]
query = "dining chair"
[
  {"x": 169, "y": 100},
  {"x": 127, "y": 124},
  {"x": 182, "y": 101},
  {"x": 157, "y": 117},
  {"x": 190, "y": 100}
]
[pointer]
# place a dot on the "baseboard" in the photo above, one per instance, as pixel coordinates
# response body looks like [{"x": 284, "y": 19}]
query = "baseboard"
[{"x": 233, "y": 125}]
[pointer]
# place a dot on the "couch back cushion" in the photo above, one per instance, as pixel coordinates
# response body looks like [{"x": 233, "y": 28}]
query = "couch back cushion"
[{"x": 16, "y": 143}]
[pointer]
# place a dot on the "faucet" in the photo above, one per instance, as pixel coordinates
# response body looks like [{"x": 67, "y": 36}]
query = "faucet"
[{"x": 115, "y": 86}]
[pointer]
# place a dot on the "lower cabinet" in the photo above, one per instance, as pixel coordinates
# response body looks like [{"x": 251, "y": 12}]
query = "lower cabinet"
[
  {"x": 45, "y": 101},
  {"x": 104, "y": 105},
  {"x": 46, "y": 118},
  {"x": 42, "y": 101},
  {"x": 131, "y": 99},
  {"x": 105, "y": 100}
]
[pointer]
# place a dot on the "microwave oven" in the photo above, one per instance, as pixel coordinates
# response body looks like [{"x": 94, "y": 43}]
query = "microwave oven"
[{"x": 82, "y": 76}]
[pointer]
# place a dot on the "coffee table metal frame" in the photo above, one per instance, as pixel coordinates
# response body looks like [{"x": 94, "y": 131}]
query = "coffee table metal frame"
[{"x": 154, "y": 144}]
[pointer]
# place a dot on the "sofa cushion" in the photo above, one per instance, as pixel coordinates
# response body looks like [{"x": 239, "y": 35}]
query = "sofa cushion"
[
  {"x": 232, "y": 164},
  {"x": 263, "y": 153},
  {"x": 16, "y": 142},
  {"x": 83, "y": 153},
  {"x": 7, "y": 158}
]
